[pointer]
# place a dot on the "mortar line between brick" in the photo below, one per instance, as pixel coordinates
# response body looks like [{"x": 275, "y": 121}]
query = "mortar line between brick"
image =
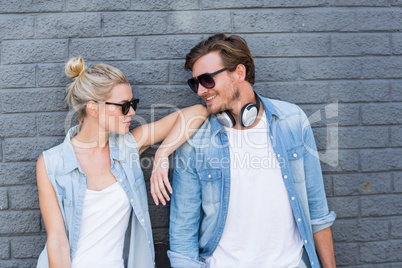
[
  {"x": 102, "y": 25},
  {"x": 275, "y": 9},
  {"x": 232, "y": 22},
  {"x": 36, "y": 75},
  {"x": 1, "y": 52},
  {"x": 2, "y": 150},
  {"x": 136, "y": 48},
  {"x": 68, "y": 48}
]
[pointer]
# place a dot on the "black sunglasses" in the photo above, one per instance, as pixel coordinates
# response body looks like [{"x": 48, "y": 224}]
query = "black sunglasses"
[
  {"x": 206, "y": 80},
  {"x": 125, "y": 107}
]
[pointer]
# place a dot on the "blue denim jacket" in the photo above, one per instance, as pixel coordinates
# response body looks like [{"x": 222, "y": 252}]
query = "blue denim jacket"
[
  {"x": 201, "y": 184},
  {"x": 70, "y": 184}
]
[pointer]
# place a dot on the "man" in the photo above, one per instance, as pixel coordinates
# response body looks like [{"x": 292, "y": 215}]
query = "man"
[{"x": 247, "y": 187}]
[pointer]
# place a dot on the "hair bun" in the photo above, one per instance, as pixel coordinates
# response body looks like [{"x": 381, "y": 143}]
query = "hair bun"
[{"x": 74, "y": 67}]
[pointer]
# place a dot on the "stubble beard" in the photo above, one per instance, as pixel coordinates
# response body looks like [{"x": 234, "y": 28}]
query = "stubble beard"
[{"x": 227, "y": 106}]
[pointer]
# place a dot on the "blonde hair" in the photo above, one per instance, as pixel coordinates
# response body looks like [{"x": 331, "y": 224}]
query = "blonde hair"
[{"x": 94, "y": 83}]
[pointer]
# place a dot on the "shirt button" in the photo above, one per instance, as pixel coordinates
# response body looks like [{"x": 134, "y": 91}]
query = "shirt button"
[
  {"x": 149, "y": 242},
  {"x": 312, "y": 263},
  {"x": 272, "y": 137},
  {"x": 142, "y": 220},
  {"x": 120, "y": 180},
  {"x": 294, "y": 155},
  {"x": 286, "y": 176},
  {"x": 299, "y": 220},
  {"x": 131, "y": 200},
  {"x": 279, "y": 155},
  {"x": 209, "y": 176},
  {"x": 305, "y": 241},
  {"x": 293, "y": 198}
]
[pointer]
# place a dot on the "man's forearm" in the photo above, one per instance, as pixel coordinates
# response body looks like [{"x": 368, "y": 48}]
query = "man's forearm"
[{"x": 325, "y": 247}]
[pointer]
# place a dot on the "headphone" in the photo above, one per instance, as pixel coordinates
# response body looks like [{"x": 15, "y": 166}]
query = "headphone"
[{"x": 247, "y": 116}]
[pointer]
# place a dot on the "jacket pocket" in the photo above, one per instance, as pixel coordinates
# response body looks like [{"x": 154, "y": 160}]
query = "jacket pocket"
[
  {"x": 295, "y": 156},
  {"x": 211, "y": 184}
]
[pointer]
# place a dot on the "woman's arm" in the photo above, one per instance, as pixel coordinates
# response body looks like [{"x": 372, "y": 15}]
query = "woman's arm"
[
  {"x": 174, "y": 130},
  {"x": 58, "y": 247}
]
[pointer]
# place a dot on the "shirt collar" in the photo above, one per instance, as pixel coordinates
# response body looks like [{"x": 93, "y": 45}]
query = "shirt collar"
[
  {"x": 269, "y": 108},
  {"x": 70, "y": 159},
  {"x": 116, "y": 142}
]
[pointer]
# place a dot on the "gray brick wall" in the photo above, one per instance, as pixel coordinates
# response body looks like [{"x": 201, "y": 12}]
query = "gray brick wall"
[{"x": 319, "y": 54}]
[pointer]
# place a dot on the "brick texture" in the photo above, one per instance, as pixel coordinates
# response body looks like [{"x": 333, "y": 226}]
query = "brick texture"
[
  {"x": 16, "y": 27},
  {"x": 360, "y": 230},
  {"x": 340, "y": 60},
  {"x": 34, "y": 51},
  {"x": 104, "y": 49}
]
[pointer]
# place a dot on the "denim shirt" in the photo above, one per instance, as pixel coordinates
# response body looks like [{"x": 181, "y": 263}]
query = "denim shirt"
[
  {"x": 70, "y": 184},
  {"x": 201, "y": 184}
]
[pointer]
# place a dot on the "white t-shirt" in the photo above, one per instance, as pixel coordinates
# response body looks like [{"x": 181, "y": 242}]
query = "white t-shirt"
[
  {"x": 104, "y": 222},
  {"x": 260, "y": 230}
]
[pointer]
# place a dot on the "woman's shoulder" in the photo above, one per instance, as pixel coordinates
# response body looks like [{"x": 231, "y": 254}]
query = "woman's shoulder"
[
  {"x": 53, "y": 157},
  {"x": 55, "y": 151}
]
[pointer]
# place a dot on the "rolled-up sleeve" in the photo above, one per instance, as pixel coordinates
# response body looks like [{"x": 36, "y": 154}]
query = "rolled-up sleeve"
[{"x": 324, "y": 222}]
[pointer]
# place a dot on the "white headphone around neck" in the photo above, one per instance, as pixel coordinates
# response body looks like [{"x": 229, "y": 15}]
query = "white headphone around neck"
[{"x": 247, "y": 116}]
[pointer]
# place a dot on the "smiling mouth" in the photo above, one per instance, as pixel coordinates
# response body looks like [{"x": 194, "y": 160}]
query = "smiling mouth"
[{"x": 210, "y": 98}]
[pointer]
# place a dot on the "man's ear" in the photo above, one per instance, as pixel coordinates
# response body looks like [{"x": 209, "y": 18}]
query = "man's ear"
[
  {"x": 92, "y": 108},
  {"x": 241, "y": 72}
]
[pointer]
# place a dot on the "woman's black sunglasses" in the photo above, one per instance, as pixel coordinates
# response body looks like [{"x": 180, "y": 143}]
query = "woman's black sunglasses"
[
  {"x": 206, "y": 80},
  {"x": 125, "y": 107}
]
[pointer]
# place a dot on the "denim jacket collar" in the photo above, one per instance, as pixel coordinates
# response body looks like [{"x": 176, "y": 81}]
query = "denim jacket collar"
[
  {"x": 70, "y": 159},
  {"x": 270, "y": 109}
]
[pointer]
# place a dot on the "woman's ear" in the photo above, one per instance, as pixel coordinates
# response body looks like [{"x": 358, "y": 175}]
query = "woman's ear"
[{"x": 92, "y": 108}]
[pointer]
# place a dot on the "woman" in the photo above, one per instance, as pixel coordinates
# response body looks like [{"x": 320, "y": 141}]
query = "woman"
[{"x": 92, "y": 192}]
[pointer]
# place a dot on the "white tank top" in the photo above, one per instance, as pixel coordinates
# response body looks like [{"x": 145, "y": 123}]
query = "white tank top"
[
  {"x": 104, "y": 222},
  {"x": 260, "y": 230}
]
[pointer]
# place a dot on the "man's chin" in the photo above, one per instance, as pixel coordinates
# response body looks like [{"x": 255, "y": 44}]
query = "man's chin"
[{"x": 214, "y": 110}]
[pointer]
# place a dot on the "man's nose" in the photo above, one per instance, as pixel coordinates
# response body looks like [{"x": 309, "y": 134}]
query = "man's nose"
[{"x": 201, "y": 90}]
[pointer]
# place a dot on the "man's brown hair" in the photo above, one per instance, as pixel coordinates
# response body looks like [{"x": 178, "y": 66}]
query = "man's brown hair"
[{"x": 233, "y": 51}]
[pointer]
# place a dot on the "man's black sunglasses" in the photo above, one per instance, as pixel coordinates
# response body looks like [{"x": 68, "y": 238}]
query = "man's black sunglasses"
[
  {"x": 125, "y": 107},
  {"x": 206, "y": 80}
]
